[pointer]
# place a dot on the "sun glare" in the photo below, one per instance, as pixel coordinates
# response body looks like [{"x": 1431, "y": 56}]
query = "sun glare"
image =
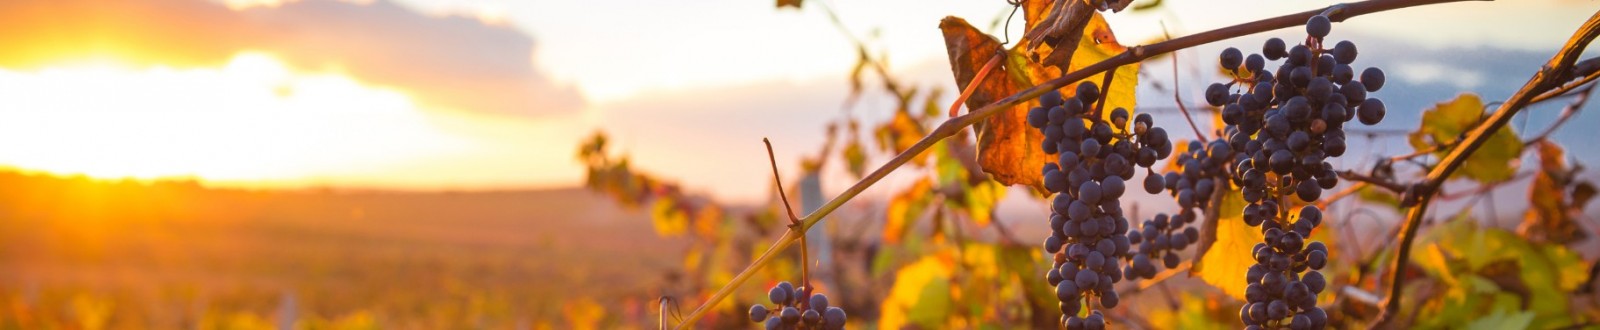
[{"x": 253, "y": 120}]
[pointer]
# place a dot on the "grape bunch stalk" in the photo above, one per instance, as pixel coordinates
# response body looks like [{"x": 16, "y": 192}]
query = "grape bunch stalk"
[
  {"x": 1096, "y": 156},
  {"x": 1282, "y": 127},
  {"x": 796, "y": 310}
]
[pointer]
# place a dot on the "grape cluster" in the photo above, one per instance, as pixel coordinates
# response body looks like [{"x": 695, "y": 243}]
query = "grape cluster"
[
  {"x": 1283, "y": 126},
  {"x": 1278, "y": 295},
  {"x": 790, "y": 303},
  {"x": 1095, "y": 158},
  {"x": 1160, "y": 239},
  {"x": 1201, "y": 172}
]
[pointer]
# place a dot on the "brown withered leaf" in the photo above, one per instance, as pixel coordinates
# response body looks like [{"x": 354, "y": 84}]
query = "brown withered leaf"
[
  {"x": 1008, "y": 148},
  {"x": 1551, "y": 215},
  {"x": 1053, "y": 37},
  {"x": 789, "y": 3}
]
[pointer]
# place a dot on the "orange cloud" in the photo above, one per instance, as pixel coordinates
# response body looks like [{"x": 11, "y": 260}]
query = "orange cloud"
[{"x": 445, "y": 62}]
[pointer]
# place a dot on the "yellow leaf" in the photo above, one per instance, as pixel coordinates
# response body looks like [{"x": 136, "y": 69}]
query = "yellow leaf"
[
  {"x": 669, "y": 220},
  {"x": 1229, "y": 257},
  {"x": 921, "y": 294},
  {"x": 905, "y": 208}
]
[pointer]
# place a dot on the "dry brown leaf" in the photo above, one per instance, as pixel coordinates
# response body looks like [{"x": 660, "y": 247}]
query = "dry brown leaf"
[
  {"x": 1550, "y": 215},
  {"x": 1008, "y": 148}
]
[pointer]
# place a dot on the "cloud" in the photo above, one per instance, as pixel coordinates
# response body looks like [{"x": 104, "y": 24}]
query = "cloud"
[{"x": 456, "y": 63}]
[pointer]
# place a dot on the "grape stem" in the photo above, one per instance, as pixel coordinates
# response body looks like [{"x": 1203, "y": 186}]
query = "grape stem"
[
  {"x": 1105, "y": 92},
  {"x": 794, "y": 225},
  {"x": 1552, "y": 76},
  {"x": 1177, "y": 94},
  {"x": 956, "y": 124}
]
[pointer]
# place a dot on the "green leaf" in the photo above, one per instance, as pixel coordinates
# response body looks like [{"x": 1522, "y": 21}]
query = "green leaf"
[
  {"x": 1500, "y": 319},
  {"x": 1444, "y": 124},
  {"x": 1547, "y": 271}
]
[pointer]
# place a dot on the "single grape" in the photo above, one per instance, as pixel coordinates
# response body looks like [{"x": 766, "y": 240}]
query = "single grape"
[
  {"x": 1318, "y": 26},
  {"x": 1153, "y": 183},
  {"x": 1371, "y": 111},
  {"x": 810, "y": 316},
  {"x": 1088, "y": 93},
  {"x": 833, "y": 318},
  {"x": 1344, "y": 52},
  {"x": 1308, "y": 191},
  {"x": 1372, "y": 78},
  {"x": 1274, "y": 49},
  {"x": 1314, "y": 281},
  {"x": 1112, "y": 187},
  {"x": 1254, "y": 63},
  {"x": 1050, "y": 99},
  {"x": 790, "y": 315},
  {"x": 778, "y": 295},
  {"x": 1317, "y": 259},
  {"x": 818, "y": 302},
  {"x": 1231, "y": 58},
  {"x": 758, "y": 313}
]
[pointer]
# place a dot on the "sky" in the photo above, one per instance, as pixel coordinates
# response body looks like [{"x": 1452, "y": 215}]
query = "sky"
[{"x": 434, "y": 94}]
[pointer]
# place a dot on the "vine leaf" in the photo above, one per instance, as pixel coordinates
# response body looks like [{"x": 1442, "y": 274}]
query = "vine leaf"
[
  {"x": 905, "y": 208},
  {"x": 1008, "y": 149},
  {"x": 965, "y": 186},
  {"x": 1446, "y": 122},
  {"x": 669, "y": 219},
  {"x": 900, "y": 133},
  {"x": 921, "y": 294},
  {"x": 1491, "y": 269},
  {"x": 1229, "y": 257},
  {"x": 789, "y": 3},
  {"x": 1551, "y": 215}
]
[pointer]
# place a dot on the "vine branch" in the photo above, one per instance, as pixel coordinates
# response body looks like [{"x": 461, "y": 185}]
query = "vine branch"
[
  {"x": 1550, "y": 77},
  {"x": 956, "y": 124}
]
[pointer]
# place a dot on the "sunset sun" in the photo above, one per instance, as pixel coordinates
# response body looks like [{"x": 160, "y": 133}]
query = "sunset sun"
[{"x": 251, "y": 120}]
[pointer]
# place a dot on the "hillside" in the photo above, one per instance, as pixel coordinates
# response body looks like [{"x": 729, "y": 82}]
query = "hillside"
[{"x": 78, "y": 252}]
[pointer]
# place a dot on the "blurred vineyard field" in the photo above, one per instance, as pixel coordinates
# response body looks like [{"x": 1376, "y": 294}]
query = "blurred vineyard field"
[{"x": 79, "y": 253}]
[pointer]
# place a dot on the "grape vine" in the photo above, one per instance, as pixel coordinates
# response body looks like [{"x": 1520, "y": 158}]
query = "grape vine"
[{"x": 1280, "y": 185}]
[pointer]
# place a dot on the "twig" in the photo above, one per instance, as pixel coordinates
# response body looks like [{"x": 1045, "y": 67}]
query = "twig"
[
  {"x": 1351, "y": 190},
  {"x": 1418, "y": 153},
  {"x": 1362, "y": 296},
  {"x": 1363, "y": 178},
  {"x": 1483, "y": 188},
  {"x": 1588, "y": 69},
  {"x": 1549, "y": 77},
  {"x": 794, "y": 225},
  {"x": 1566, "y": 114},
  {"x": 954, "y": 125},
  {"x": 1177, "y": 92}
]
